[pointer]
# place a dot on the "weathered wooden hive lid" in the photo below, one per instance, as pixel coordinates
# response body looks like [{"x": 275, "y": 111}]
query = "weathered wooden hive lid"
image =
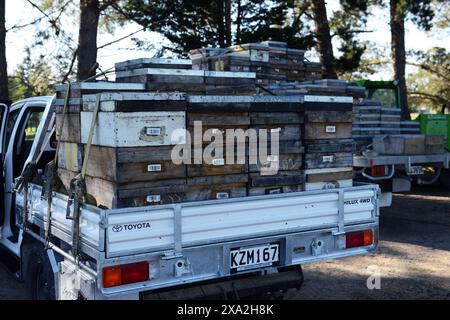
[
  {"x": 150, "y": 62},
  {"x": 100, "y": 86}
]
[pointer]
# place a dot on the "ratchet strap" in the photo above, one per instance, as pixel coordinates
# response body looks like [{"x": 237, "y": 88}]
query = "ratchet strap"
[
  {"x": 51, "y": 171},
  {"x": 25, "y": 178},
  {"x": 77, "y": 192}
]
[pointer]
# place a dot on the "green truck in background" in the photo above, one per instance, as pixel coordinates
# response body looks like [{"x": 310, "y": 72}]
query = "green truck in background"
[
  {"x": 431, "y": 124},
  {"x": 388, "y": 93}
]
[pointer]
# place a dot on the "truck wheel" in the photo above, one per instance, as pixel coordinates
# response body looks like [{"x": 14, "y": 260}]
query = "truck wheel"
[
  {"x": 40, "y": 280},
  {"x": 444, "y": 179}
]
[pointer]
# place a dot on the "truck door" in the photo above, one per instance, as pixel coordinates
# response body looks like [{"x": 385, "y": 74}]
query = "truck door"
[
  {"x": 21, "y": 130},
  {"x": 3, "y": 116}
]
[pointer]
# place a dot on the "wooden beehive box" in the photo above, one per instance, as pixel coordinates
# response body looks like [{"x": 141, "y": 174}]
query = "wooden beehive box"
[
  {"x": 113, "y": 195},
  {"x": 217, "y": 187},
  {"x": 71, "y": 130},
  {"x": 130, "y": 162},
  {"x": 157, "y": 63},
  {"x": 328, "y": 178},
  {"x": 434, "y": 144},
  {"x": 399, "y": 144},
  {"x": 191, "y": 81}
]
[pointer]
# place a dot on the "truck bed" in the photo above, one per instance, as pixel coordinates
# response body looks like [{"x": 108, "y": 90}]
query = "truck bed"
[{"x": 120, "y": 232}]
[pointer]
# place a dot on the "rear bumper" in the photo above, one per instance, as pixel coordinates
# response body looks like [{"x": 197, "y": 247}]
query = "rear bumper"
[
  {"x": 211, "y": 264},
  {"x": 237, "y": 287}
]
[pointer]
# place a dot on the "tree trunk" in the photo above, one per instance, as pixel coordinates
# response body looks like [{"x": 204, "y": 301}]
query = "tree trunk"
[
  {"x": 324, "y": 45},
  {"x": 87, "y": 41},
  {"x": 221, "y": 23},
  {"x": 3, "y": 65},
  {"x": 238, "y": 21},
  {"x": 228, "y": 22},
  {"x": 398, "y": 54}
]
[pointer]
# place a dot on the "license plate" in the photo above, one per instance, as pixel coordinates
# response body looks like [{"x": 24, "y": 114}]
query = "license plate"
[
  {"x": 415, "y": 170},
  {"x": 246, "y": 258}
]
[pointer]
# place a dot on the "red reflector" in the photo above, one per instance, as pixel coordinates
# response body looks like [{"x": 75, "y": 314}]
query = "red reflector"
[
  {"x": 125, "y": 274},
  {"x": 378, "y": 171},
  {"x": 359, "y": 239}
]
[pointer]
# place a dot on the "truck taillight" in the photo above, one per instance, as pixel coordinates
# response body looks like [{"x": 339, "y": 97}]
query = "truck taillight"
[
  {"x": 125, "y": 274},
  {"x": 378, "y": 171},
  {"x": 358, "y": 239}
]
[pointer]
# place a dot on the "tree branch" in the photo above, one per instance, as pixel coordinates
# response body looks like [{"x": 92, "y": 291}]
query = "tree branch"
[
  {"x": 72, "y": 63},
  {"x": 431, "y": 97},
  {"x": 120, "y": 39},
  {"x": 429, "y": 69},
  {"x": 17, "y": 26}
]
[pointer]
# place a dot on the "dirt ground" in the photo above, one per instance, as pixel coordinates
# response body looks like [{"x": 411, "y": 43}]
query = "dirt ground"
[{"x": 413, "y": 257}]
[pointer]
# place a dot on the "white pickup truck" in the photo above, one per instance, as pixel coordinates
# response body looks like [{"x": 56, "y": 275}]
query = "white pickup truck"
[{"x": 223, "y": 248}]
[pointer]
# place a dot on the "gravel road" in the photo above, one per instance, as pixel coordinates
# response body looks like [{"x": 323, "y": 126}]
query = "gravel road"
[{"x": 413, "y": 257}]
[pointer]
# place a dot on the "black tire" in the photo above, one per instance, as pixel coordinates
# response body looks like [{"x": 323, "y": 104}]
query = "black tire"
[
  {"x": 444, "y": 179},
  {"x": 40, "y": 278}
]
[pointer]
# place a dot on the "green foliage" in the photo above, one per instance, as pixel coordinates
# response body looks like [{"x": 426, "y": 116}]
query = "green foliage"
[
  {"x": 202, "y": 23},
  {"x": 32, "y": 78},
  {"x": 429, "y": 86},
  {"x": 346, "y": 24}
]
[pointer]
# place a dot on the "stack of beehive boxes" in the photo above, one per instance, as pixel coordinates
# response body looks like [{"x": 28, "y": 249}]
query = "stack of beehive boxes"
[
  {"x": 366, "y": 121},
  {"x": 168, "y": 75},
  {"x": 390, "y": 120},
  {"x": 409, "y": 127},
  {"x": 372, "y": 120},
  {"x": 69, "y": 134},
  {"x": 218, "y": 170},
  {"x": 277, "y": 168},
  {"x": 131, "y": 162},
  {"x": 130, "y": 158},
  {"x": 328, "y": 142},
  {"x": 272, "y": 61}
]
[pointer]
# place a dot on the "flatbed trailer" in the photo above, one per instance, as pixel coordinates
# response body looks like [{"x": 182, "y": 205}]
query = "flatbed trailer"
[{"x": 398, "y": 171}]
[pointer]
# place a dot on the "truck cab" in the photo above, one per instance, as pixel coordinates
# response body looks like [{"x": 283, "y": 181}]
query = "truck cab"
[{"x": 21, "y": 123}]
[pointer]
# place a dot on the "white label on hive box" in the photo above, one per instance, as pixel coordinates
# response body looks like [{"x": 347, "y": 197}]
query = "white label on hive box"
[
  {"x": 327, "y": 159},
  {"x": 218, "y": 162},
  {"x": 153, "y": 131},
  {"x": 256, "y": 55},
  {"x": 156, "y": 198},
  {"x": 154, "y": 168},
  {"x": 222, "y": 195},
  {"x": 330, "y": 129}
]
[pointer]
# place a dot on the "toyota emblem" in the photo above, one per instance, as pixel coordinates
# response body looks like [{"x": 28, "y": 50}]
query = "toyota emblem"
[{"x": 117, "y": 228}]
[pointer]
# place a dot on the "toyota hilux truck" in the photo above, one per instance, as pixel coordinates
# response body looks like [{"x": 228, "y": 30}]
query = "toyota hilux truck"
[{"x": 228, "y": 248}]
